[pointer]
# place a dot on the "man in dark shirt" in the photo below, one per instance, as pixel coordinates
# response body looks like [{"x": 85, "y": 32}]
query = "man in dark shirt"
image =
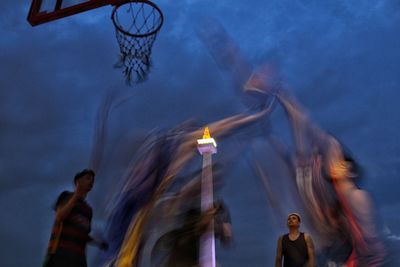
[
  {"x": 296, "y": 248},
  {"x": 70, "y": 233}
]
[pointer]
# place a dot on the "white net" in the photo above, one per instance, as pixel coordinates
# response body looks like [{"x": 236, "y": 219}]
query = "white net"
[{"x": 136, "y": 24}]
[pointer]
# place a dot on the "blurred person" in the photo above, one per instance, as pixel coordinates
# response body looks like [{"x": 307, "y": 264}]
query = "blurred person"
[
  {"x": 70, "y": 233},
  {"x": 148, "y": 179},
  {"x": 183, "y": 244},
  {"x": 171, "y": 235},
  {"x": 333, "y": 163},
  {"x": 296, "y": 248},
  {"x": 324, "y": 176},
  {"x": 358, "y": 206},
  {"x": 337, "y": 252}
]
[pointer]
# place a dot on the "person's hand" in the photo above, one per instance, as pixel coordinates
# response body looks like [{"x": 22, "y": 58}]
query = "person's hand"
[{"x": 263, "y": 80}]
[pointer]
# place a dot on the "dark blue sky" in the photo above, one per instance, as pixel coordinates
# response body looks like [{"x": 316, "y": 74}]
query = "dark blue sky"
[{"x": 341, "y": 58}]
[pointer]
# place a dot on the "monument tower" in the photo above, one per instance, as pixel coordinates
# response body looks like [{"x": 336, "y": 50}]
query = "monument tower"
[{"x": 207, "y": 146}]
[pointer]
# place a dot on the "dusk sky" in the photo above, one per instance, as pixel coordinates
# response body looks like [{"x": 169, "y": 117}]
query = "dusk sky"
[{"x": 340, "y": 58}]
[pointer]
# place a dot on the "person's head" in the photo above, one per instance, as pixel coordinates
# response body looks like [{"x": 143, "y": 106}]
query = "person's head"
[
  {"x": 293, "y": 220},
  {"x": 85, "y": 179},
  {"x": 346, "y": 168},
  {"x": 354, "y": 168}
]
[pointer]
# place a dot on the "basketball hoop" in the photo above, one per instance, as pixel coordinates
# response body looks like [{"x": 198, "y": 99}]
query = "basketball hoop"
[{"x": 137, "y": 23}]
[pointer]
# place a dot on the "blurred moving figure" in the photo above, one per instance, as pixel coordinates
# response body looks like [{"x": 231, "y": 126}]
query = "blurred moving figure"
[
  {"x": 158, "y": 162},
  {"x": 171, "y": 236},
  {"x": 180, "y": 247},
  {"x": 340, "y": 213},
  {"x": 368, "y": 249},
  {"x": 296, "y": 248}
]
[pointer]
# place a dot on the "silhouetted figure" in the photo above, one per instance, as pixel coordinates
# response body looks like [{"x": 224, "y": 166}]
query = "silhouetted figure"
[
  {"x": 183, "y": 244},
  {"x": 70, "y": 233}
]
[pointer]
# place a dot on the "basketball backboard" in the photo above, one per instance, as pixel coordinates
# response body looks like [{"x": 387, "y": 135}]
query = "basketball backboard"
[
  {"x": 136, "y": 23},
  {"x": 43, "y": 11}
]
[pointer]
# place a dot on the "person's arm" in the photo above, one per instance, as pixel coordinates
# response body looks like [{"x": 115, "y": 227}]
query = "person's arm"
[
  {"x": 223, "y": 224},
  {"x": 227, "y": 234},
  {"x": 310, "y": 251},
  {"x": 303, "y": 129},
  {"x": 218, "y": 129},
  {"x": 184, "y": 153},
  {"x": 205, "y": 219},
  {"x": 63, "y": 209},
  {"x": 278, "y": 258}
]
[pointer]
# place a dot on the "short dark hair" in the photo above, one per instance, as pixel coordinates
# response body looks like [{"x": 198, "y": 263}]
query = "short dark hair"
[
  {"x": 83, "y": 173},
  {"x": 295, "y": 214},
  {"x": 354, "y": 168}
]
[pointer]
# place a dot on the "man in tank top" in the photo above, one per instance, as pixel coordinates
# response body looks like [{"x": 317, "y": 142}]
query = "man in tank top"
[{"x": 296, "y": 248}]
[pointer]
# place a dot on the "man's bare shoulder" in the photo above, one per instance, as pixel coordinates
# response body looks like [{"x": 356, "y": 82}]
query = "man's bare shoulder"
[
  {"x": 280, "y": 238},
  {"x": 307, "y": 236}
]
